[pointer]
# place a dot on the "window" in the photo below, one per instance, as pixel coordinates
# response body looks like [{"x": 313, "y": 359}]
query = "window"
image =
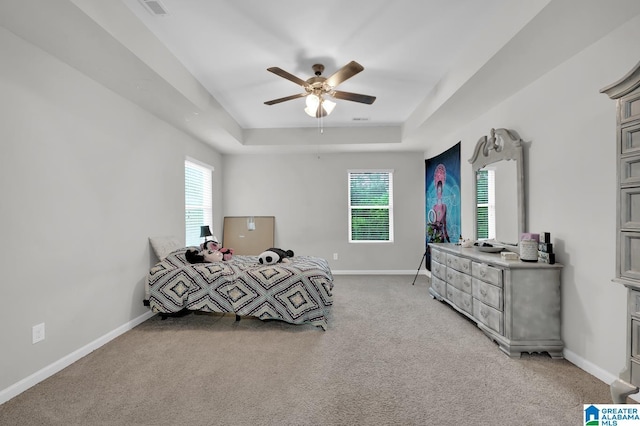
[
  {"x": 486, "y": 204},
  {"x": 370, "y": 206},
  {"x": 198, "y": 204}
]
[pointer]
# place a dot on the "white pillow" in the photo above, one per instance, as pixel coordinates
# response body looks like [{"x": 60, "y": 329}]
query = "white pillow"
[{"x": 162, "y": 246}]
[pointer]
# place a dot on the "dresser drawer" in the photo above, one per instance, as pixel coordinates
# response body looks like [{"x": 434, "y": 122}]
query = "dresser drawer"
[
  {"x": 459, "y": 263},
  {"x": 487, "y": 315},
  {"x": 487, "y": 273},
  {"x": 439, "y": 286},
  {"x": 635, "y": 338},
  {"x": 630, "y": 254},
  {"x": 438, "y": 256},
  {"x": 634, "y": 303},
  {"x": 635, "y": 372},
  {"x": 438, "y": 270},
  {"x": 488, "y": 294},
  {"x": 459, "y": 280},
  {"x": 630, "y": 137},
  {"x": 461, "y": 299}
]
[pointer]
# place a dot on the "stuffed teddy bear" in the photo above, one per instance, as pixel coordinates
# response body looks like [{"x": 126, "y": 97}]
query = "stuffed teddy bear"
[
  {"x": 204, "y": 256},
  {"x": 274, "y": 255}
]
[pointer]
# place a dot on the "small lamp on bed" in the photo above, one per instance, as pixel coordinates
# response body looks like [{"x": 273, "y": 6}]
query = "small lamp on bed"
[{"x": 205, "y": 232}]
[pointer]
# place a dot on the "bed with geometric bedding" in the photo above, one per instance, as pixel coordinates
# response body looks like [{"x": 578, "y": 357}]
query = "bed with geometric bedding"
[{"x": 298, "y": 292}]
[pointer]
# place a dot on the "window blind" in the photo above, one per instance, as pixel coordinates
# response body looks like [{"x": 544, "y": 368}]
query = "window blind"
[
  {"x": 370, "y": 206},
  {"x": 485, "y": 196},
  {"x": 198, "y": 201}
]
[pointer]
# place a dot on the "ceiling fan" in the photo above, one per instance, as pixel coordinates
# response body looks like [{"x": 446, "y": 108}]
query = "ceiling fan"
[{"x": 316, "y": 87}]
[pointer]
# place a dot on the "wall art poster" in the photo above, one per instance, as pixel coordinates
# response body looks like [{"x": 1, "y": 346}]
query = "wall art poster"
[{"x": 442, "y": 195}]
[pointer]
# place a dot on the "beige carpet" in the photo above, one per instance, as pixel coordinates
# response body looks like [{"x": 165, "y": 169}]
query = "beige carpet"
[{"x": 391, "y": 356}]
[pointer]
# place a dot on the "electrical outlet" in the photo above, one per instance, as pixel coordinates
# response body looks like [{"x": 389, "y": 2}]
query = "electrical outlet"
[
  {"x": 335, "y": 256},
  {"x": 37, "y": 333}
]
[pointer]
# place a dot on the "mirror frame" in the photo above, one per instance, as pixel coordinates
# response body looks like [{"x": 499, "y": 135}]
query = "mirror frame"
[{"x": 502, "y": 145}]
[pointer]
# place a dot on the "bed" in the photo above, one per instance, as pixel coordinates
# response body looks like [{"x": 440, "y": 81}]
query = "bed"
[{"x": 298, "y": 292}]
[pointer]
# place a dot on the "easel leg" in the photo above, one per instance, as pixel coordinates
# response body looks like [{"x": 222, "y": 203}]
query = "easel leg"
[{"x": 424, "y": 256}]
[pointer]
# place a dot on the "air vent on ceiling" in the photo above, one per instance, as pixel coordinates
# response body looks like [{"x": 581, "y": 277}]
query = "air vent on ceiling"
[
  {"x": 360, "y": 118},
  {"x": 154, "y": 7}
]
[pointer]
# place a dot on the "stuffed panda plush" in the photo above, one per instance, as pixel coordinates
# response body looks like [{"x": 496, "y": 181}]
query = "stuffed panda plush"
[
  {"x": 274, "y": 255},
  {"x": 206, "y": 250},
  {"x": 210, "y": 244},
  {"x": 227, "y": 253},
  {"x": 204, "y": 256}
]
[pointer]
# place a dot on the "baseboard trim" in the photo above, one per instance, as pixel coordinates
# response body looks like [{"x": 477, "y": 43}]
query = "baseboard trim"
[
  {"x": 48, "y": 371},
  {"x": 587, "y": 366},
  {"x": 381, "y": 272},
  {"x": 593, "y": 369}
]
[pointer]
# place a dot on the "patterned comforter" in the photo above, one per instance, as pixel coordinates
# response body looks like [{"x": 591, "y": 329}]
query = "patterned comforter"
[{"x": 297, "y": 292}]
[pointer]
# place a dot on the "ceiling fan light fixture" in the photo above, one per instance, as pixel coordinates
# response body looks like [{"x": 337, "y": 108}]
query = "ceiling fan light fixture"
[
  {"x": 312, "y": 101},
  {"x": 328, "y": 105},
  {"x": 318, "y": 107},
  {"x": 314, "y": 106},
  {"x": 316, "y": 112},
  {"x": 310, "y": 112}
]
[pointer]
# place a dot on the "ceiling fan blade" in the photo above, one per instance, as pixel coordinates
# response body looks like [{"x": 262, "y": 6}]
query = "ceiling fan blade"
[
  {"x": 344, "y": 73},
  {"x": 288, "y": 98},
  {"x": 355, "y": 97},
  {"x": 282, "y": 73}
]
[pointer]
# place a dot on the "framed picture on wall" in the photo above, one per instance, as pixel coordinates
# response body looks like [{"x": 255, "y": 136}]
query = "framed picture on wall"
[{"x": 442, "y": 195}]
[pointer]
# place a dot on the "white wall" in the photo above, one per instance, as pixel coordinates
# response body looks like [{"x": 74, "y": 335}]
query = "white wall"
[
  {"x": 570, "y": 147},
  {"x": 85, "y": 178},
  {"x": 308, "y": 196}
]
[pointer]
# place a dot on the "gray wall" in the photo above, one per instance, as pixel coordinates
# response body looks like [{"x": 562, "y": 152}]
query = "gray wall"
[
  {"x": 569, "y": 134},
  {"x": 85, "y": 178},
  {"x": 308, "y": 196}
]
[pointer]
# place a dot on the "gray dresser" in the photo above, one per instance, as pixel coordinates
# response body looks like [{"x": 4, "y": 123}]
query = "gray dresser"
[
  {"x": 626, "y": 92},
  {"x": 515, "y": 303}
]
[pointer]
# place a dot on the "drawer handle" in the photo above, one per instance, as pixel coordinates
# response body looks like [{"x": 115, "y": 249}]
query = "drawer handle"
[
  {"x": 449, "y": 276},
  {"x": 465, "y": 266},
  {"x": 483, "y": 313},
  {"x": 483, "y": 292},
  {"x": 467, "y": 304},
  {"x": 482, "y": 273}
]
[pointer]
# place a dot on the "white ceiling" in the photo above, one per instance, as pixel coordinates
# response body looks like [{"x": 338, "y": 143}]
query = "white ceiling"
[
  {"x": 405, "y": 47},
  {"x": 432, "y": 64}
]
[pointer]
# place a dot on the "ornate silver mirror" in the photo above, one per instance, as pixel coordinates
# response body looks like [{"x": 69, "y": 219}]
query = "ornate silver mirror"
[{"x": 498, "y": 187}]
